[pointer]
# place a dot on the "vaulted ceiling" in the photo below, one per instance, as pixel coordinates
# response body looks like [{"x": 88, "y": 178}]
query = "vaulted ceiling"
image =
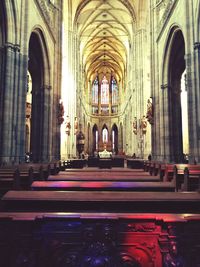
[{"x": 105, "y": 29}]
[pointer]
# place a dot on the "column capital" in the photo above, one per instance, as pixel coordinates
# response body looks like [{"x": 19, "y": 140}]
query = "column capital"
[{"x": 13, "y": 47}]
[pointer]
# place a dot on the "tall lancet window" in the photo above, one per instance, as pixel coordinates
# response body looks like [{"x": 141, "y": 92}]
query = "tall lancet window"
[
  {"x": 95, "y": 96},
  {"x": 115, "y": 94},
  {"x": 104, "y": 96},
  {"x": 104, "y": 91}
]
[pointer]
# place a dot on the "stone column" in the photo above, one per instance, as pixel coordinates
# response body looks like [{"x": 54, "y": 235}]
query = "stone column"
[
  {"x": 13, "y": 104},
  {"x": 20, "y": 108},
  {"x": 46, "y": 136},
  {"x": 193, "y": 105},
  {"x": 164, "y": 125}
]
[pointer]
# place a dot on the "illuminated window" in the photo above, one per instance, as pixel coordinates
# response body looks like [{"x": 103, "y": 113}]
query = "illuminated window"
[
  {"x": 105, "y": 96},
  {"x": 95, "y": 91},
  {"x": 114, "y": 92},
  {"x": 104, "y": 91},
  {"x": 96, "y": 140},
  {"x": 105, "y": 135}
]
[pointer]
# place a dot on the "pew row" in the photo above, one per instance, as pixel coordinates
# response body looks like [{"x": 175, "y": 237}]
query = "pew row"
[
  {"x": 191, "y": 180},
  {"x": 73, "y": 201},
  {"x": 103, "y": 186}
]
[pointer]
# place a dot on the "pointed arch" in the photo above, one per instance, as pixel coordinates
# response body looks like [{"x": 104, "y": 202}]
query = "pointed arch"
[
  {"x": 95, "y": 134},
  {"x": 11, "y": 19},
  {"x": 39, "y": 68},
  {"x": 114, "y": 134},
  {"x": 173, "y": 68},
  {"x": 105, "y": 134}
]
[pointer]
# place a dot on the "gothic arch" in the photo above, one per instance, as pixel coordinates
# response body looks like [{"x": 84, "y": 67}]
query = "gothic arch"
[
  {"x": 39, "y": 68},
  {"x": 114, "y": 138},
  {"x": 11, "y": 19},
  {"x": 45, "y": 54},
  {"x": 88, "y": 139},
  {"x": 120, "y": 138},
  {"x": 95, "y": 135},
  {"x": 173, "y": 68},
  {"x": 167, "y": 51}
]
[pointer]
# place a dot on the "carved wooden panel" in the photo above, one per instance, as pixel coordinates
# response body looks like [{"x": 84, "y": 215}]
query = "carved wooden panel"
[{"x": 65, "y": 242}]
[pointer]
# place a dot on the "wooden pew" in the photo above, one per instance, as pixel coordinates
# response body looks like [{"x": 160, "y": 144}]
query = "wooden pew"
[
  {"x": 146, "y": 165},
  {"x": 105, "y": 163},
  {"x": 75, "y": 163},
  {"x": 15, "y": 179},
  {"x": 153, "y": 167},
  {"x": 103, "y": 186},
  {"x": 70, "y": 228},
  {"x": 7, "y": 179},
  {"x": 87, "y": 201},
  {"x": 55, "y": 167},
  {"x": 135, "y": 163},
  {"x": 176, "y": 173},
  {"x": 191, "y": 180},
  {"x": 117, "y": 161}
]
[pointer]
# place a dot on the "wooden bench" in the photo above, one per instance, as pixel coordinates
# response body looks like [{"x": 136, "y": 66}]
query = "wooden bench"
[
  {"x": 178, "y": 173},
  {"x": 7, "y": 179},
  {"x": 87, "y": 201},
  {"x": 15, "y": 179},
  {"x": 55, "y": 167},
  {"x": 75, "y": 163},
  {"x": 191, "y": 179},
  {"x": 153, "y": 167},
  {"x": 117, "y": 161},
  {"x": 135, "y": 163},
  {"x": 105, "y": 163},
  {"x": 103, "y": 186}
]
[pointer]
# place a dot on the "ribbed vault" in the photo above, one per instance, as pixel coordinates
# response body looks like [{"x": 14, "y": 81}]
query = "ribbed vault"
[{"x": 105, "y": 30}]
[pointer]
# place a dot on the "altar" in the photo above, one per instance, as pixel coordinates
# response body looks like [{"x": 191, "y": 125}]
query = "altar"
[
  {"x": 105, "y": 154},
  {"x": 105, "y": 159}
]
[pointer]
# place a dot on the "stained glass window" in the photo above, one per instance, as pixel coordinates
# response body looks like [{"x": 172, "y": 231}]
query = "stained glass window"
[
  {"x": 95, "y": 91},
  {"x": 114, "y": 91},
  {"x": 104, "y": 91},
  {"x": 105, "y": 135}
]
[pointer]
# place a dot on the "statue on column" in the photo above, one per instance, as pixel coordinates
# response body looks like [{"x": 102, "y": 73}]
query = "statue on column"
[
  {"x": 143, "y": 125},
  {"x": 60, "y": 112},
  {"x": 150, "y": 114},
  {"x": 68, "y": 126},
  {"x": 75, "y": 125},
  {"x": 135, "y": 126}
]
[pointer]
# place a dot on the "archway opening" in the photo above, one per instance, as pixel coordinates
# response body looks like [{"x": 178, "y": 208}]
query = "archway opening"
[
  {"x": 95, "y": 138},
  {"x": 115, "y": 139},
  {"x": 184, "y": 111},
  {"x": 176, "y": 72},
  {"x": 36, "y": 71},
  {"x": 28, "y": 113}
]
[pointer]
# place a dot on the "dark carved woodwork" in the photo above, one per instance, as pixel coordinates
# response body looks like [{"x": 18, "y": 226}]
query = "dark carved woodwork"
[{"x": 60, "y": 241}]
